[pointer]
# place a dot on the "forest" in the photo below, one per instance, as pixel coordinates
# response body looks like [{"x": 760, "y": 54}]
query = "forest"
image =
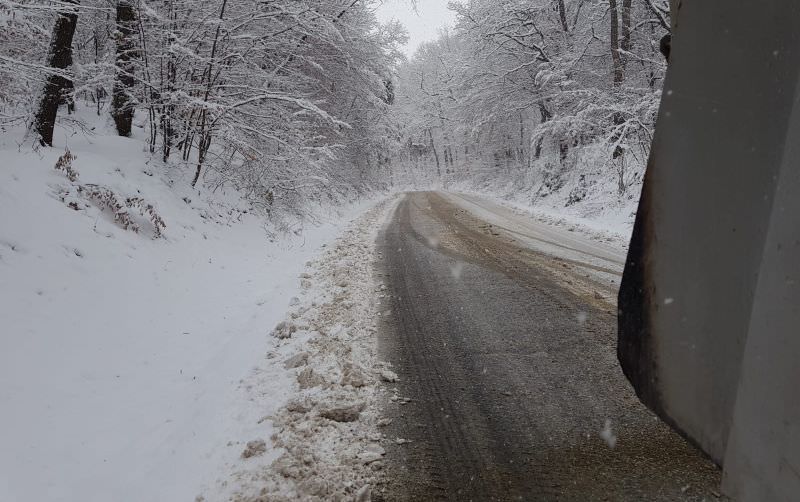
[
  {"x": 290, "y": 100},
  {"x": 292, "y": 250}
]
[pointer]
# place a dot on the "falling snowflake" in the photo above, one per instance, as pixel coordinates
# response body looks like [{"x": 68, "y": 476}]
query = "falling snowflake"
[{"x": 608, "y": 435}]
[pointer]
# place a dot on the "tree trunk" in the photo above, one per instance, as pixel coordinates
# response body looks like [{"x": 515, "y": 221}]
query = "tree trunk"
[
  {"x": 621, "y": 177},
  {"x": 435, "y": 154},
  {"x": 616, "y": 61},
  {"x": 625, "y": 39},
  {"x": 562, "y": 14},
  {"x": 122, "y": 107},
  {"x": 545, "y": 116},
  {"x": 521, "y": 150},
  {"x": 59, "y": 57},
  {"x": 204, "y": 136},
  {"x": 98, "y": 91},
  {"x": 619, "y": 152},
  {"x": 625, "y": 42}
]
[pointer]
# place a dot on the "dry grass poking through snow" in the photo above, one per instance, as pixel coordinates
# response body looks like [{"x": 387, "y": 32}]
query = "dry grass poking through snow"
[{"x": 328, "y": 431}]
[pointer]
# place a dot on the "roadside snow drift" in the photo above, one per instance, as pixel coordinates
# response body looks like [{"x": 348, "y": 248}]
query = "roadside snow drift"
[{"x": 324, "y": 443}]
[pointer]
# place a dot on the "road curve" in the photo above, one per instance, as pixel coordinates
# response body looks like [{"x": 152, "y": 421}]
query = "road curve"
[{"x": 503, "y": 334}]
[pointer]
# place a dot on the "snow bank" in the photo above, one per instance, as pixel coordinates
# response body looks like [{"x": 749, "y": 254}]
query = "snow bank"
[
  {"x": 324, "y": 442},
  {"x": 581, "y": 191},
  {"x": 602, "y": 215},
  {"x": 586, "y": 197},
  {"x": 122, "y": 353},
  {"x": 611, "y": 225}
]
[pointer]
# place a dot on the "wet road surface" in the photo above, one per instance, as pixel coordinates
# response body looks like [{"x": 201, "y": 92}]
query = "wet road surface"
[{"x": 503, "y": 333}]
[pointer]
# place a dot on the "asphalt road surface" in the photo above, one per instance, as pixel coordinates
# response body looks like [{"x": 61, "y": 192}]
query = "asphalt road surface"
[{"x": 503, "y": 332}]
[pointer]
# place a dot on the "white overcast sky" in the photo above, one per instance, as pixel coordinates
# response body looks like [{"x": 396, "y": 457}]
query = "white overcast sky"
[{"x": 422, "y": 25}]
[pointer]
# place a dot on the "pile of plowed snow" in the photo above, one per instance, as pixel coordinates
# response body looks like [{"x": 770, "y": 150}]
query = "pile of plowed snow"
[{"x": 325, "y": 442}]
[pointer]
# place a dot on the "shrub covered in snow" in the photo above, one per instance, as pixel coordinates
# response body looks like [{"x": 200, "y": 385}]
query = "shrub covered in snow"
[{"x": 107, "y": 200}]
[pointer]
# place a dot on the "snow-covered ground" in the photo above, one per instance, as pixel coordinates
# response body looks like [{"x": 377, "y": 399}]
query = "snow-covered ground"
[
  {"x": 324, "y": 441},
  {"x": 544, "y": 233},
  {"x": 584, "y": 197},
  {"x": 611, "y": 227},
  {"x": 601, "y": 213},
  {"x": 221, "y": 360},
  {"x": 125, "y": 359}
]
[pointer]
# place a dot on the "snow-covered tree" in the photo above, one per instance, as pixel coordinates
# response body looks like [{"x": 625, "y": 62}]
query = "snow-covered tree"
[
  {"x": 526, "y": 91},
  {"x": 277, "y": 97}
]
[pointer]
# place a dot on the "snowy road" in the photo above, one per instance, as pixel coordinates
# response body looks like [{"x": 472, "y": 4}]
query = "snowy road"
[{"x": 503, "y": 332}]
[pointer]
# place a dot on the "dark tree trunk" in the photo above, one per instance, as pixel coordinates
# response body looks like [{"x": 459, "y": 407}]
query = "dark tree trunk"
[
  {"x": 435, "y": 154},
  {"x": 545, "y": 116},
  {"x": 98, "y": 92},
  {"x": 625, "y": 33},
  {"x": 537, "y": 150},
  {"x": 68, "y": 91},
  {"x": 562, "y": 14},
  {"x": 618, "y": 66},
  {"x": 168, "y": 74},
  {"x": 616, "y": 61},
  {"x": 521, "y": 150},
  {"x": 544, "y": 112},
  {"x": 59, "y": 57},
  {"x": 625, "y": 42},
  {"x": 122, "y": 107},
  {"x": 204, "y": 136},
  {"x": 202, "y": 148}
]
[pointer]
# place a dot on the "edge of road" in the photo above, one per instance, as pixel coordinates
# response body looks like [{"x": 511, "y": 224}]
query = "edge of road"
[{"x": 616, "y": 237}]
